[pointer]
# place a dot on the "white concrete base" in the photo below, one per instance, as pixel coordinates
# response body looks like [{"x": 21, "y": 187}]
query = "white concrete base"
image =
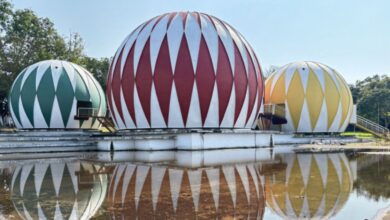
[{"x": 197, "y": 140}]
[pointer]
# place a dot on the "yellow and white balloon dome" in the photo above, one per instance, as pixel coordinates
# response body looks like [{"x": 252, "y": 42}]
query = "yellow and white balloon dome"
[{"x": 316, "y": 97}]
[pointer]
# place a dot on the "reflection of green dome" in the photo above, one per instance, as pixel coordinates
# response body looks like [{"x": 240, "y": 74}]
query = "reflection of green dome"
[
  {"x": 311, "y": 186},
  {"x": 48, "y": 94},
  {"x": 57, "y": 190}
]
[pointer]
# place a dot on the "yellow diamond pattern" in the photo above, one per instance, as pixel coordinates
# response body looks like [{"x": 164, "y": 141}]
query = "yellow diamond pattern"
[
  {"x": 279, "y": 94},
  {"x": 296, "y": 188},
  {"x": 332, "y": 98},
  {"x": 295, "y": 98},
  {"x": 314, "y": 98},
  {"x": 315, "y": 188}
]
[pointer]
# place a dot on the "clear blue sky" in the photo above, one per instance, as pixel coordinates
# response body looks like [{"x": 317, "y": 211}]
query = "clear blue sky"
[{"x": 351, "y": 36}]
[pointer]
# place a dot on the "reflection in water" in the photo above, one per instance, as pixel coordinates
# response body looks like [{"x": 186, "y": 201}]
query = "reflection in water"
[
  {"x": 221, "y": 184},
  {"x": 373, "y": 176},
  {"x": 146, "y": 192},
  {"x": 309, "y": 186},
  {"x": 58, "y": 190}
]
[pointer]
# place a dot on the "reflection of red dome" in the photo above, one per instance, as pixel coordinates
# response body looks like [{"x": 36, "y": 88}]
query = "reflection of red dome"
[
  {"x": 151, "y": 192},
  {"x": 184, "y": 70}
]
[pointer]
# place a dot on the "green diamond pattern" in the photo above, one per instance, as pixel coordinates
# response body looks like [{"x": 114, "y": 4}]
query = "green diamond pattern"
[
  {"x": 15, "y": 95},
  {"x": 28, "y": 95},
  {"x": 65, "y": 95},
  {"x": 46, "y": 94}
]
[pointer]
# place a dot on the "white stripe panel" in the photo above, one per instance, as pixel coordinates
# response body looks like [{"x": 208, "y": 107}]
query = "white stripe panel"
[
  {"x": 289, "y": 159},
  {"x": 118, "y": 122},
  {"x": 322, "y": 122},
  {"x": 142, "y": 172},
  {"x": 303, "y": 69},
  {"x": 195, "y": 178},
  {"x": 56, "y": 69},
  {"x": 305, "y": 210},
  {"x": 141, "y": 41},
  {"x": 304, "y": 124},
  {"x": 322, "y": 162},
  {"x": 26, "y": 170},
  {"x": 39, "y": 120},
  {"x": 118, "y": 175},
  {"x": 336, "y": 120},
  {"x": 175, "y": 119},
  {"x": 175, "y": 179},
  {"x": 174, "y": 37},
  {"x": 289, "y": 127},
  {"x": 321, "y": 208},
  {"x": 228, "y": 118},
  {"x": 157, "y": 119},
  {"x": 14, "y": 176},
  {"x": 156, "y": 38},
  {"x": 253, "y": 174},
  {"x": 129, "y": 123},
  {"x": 194, "y": 114},
  {"x": 27, "y": 73},
  {"x": 304, "y": 161},
  {"x": 73, "y": 168},
  {"x": 213, "y": 176},
  {"x": 193, "y": 34},
  {"x": 23, "y": 116},
  {"x": 289, "y": 75},
  {"x": 126, "y": 180},
  {"x": 212, "y": 118},
  {"x": 41, "y": 215},
  {"x": 40, "y": 71},
  {"x": 211, "y": 37},
  {"x": 289, "y": 209},
  {"x": 227, "y": 41},
  {"x": 39, "y": 173},
  {"x": 72, "y": 123},
  {"x": 57, "y": 172},
  {"x": 337, "y": 165},
  {"x": 157, "y": 178},
  {"x": 140, "y": 116},
  {"x": 244, "y": 179},
  {"x": 241, "y": 120},
  {"x": 319, "y": 73},
  {"x": 129, "y": 43},
  {"x": 228, "y": 172},
  {"x": 254, "y": 114},
  {"x": 240, "y": 46},
  {"x": 16, "y": 121}
]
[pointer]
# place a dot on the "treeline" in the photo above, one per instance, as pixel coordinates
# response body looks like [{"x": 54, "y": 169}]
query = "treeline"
[
  {"x": 26, "y": 39},
  {"x": 372, "y": 96}
]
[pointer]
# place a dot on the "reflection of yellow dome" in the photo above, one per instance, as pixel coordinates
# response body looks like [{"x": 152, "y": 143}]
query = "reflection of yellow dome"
[
  {"x": 316, "y": 97},
  {"x": 311, "y": 186},
  {"x": 148, "y": 192},
  {"x": 58, "y": 190}
]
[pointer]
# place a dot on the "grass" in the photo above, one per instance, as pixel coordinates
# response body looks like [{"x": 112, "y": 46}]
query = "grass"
[{"x": 363, "y": 135}]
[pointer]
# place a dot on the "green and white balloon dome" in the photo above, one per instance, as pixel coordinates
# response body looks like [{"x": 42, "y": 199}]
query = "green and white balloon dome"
[{"x": 49, "y": 94}]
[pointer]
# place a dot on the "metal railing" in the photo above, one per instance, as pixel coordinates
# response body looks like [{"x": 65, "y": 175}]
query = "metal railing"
[
  {"x": 372, "y": 126},
  {"x": 275, "y": 109},
  {"x": 87, "y": 112}
]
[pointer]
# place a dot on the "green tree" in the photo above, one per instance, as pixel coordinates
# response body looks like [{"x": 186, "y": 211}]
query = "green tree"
[
  {"x": 372, "y": 98},
  {"x": 98, "y": 67},
  {"x": 26, "y": 39}
]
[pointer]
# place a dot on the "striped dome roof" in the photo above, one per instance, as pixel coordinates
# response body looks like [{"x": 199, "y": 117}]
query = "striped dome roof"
[
  {"x": 161, "y": 192},
  {"x": 45, "y": 95},
  {"x": 58, "y": 190},
  {"x": 316, "y": 97},
  {"x": 312, "y": 186},
  {"x": 184, "y": 70}
]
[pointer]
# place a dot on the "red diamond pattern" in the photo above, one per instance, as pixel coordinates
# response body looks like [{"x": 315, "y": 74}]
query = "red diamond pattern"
[{"x": 184, "y": 78}]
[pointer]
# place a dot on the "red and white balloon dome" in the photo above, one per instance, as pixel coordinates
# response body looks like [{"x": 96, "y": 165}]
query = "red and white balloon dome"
[{"x": 184, "y": 70}]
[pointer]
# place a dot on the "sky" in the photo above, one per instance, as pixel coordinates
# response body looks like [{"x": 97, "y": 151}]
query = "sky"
[{"x": 350, "y": 36}]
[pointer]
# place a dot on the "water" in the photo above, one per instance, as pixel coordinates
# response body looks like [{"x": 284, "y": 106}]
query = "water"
[{"x": 220, "y": 184}]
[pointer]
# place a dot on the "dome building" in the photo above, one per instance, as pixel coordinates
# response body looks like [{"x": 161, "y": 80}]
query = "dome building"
[
  {"x": 56, "y": 94},
  {"x": 55, "y": 189},
  {"x": 184, "y": 70},
  {"x": 316, "y": 97},
  {"x": 312, "y": 186},
  {"x": 163, "y": 192}
]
